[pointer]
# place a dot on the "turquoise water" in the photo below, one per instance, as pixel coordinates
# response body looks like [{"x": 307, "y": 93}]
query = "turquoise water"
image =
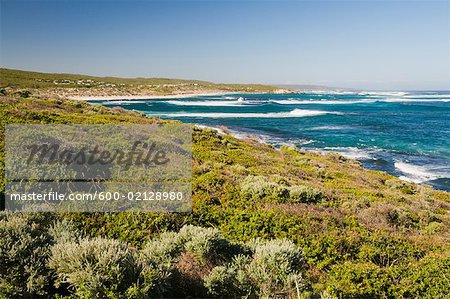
[{"x": 403, "y": 133}]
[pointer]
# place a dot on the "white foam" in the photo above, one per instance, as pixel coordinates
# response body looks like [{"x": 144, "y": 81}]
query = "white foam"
[
  {"x": 338, "y": 92},
  {"x": 321, "y": 102},
  {"x": 329, "y": 128},
  {"x": 293, "y": 113},
  {"x": 429, "y": 96},
  {"x": 383, "y": 93},
  {"x": 365, "y": 101},
  {"x": 205, "y": 103},
  {"x": 419, "y": 174},
  {"x": 123, "y": 102},
  {"x": 245, "y": 135},
  {"x": 220, "y": 131},
  {"x": 412, "y": 100},
  {"x": 242, "y": 102},
  {"x": 352, "y": 152}
]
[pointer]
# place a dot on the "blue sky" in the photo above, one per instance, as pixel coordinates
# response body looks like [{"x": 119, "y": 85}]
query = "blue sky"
[{"x": 360, "y": 44}]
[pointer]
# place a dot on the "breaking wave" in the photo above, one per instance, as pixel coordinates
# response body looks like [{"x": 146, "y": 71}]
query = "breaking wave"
[
  {"x": 420, "y": 173},
  {"x": 206, "y": 103},
  {"x": 293, "y": 113},
  {"x": 352, "y": 153},
  {"x": 322, "y": 102}
]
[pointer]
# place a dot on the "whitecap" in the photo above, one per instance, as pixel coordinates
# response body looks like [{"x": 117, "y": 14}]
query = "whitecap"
[
  {"x": 412, "y": 100},
  {"x": 329, "y": 128},
  {"x": 383, "y": 93},
  {"x": 428, "y": 96},
  {"x": 352, "y": 153},
  {"x": 220, "y": 131},
  {"x": 293, "y": 113},
  {"x": 205, "y": 103},
  {"x": 336, "y": 92},
  {"x": 123, "y": 102},
  {"x": 320, "y": 102},
  {"x": 420, "y": 173}
]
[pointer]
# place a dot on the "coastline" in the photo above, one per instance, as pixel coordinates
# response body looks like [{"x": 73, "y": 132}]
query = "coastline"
[
  {"x": 245, "y": 136},
  {"x": 152, "y": 96},
  {"x": 412, "y": 172},
  {"x": 173, "y": 96}
]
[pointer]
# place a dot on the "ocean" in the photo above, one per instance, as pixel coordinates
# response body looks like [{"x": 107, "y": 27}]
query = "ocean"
[{"x": 406, "y": 134}]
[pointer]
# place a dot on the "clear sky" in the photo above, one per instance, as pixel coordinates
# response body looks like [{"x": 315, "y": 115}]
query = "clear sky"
[{"x": 360, "y": 44}]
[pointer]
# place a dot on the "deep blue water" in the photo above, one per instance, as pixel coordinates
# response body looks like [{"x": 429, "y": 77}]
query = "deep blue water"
[{"x": 403, "y": 133}]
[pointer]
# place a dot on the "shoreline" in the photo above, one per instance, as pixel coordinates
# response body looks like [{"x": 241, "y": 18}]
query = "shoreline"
[
  {"x": 151, "y": 97},
  {"x": 245, "y": 136}
]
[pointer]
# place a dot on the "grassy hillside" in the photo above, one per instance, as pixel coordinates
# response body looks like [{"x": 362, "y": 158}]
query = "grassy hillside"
[
  {"x": 266, "y": 222},
  {"x": 58, "y": 85}
]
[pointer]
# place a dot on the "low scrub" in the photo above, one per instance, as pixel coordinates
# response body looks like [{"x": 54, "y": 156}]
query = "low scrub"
[
  {"x": 259, "y": 187},
  {"x": 24, "y": 250},
  {"x": 274, "y": 269},
  {"x": 96, "y": 267}
]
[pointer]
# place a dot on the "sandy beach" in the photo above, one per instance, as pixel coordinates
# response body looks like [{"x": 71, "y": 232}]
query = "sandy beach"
[{"x": 148, "y": 97}]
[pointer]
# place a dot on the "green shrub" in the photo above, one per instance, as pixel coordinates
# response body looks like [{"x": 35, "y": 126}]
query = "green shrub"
[
  {"x": 231, "y": 280},
  {"x": 259, "y": 187},
  {"x": 359, "y": 280},
  {"x": 163, "y": 250},
  {"x": 64, "y": 231},
  {"x": 304, "y": 194},
  {"x": 402, "y": 186},
  {"x": 428, "y": 278},
  {"x": 275, "y": 269},
  {"x": 24, "y": 250},
  {"x": 157, "y": 270},
  {"x": 208, "y": 244},
  {"x": 158, "y": 258},
  {"x": 174, "y": 263},
  {"x": 96, "y": 267},
  {"x": 434, "y": 227},
  {"x": 386, "y": 250}
]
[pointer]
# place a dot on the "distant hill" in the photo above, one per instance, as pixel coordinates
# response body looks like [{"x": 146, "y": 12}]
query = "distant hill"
[{"x": 66, "y": 85}]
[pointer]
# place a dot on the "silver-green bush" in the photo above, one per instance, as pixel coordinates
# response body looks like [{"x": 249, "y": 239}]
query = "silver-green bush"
[
  {"x": 24, "y": 250},
  {"x": 96, "y": 267},
  {"x": 208, "y": 244},
  {"x": 157, "y": 259},
  {"x": 163, "y": 250},
  {"x": 304, "y": 194},
  {"x": 275, "y": 269},
  {"x": 260, "y": 187},
  {"x": 64, "y": 231},
  {"x": 166, "y": 259},
  {"x": 231, "y": 280}
]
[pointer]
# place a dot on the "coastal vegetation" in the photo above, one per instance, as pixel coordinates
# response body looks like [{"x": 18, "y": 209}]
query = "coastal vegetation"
[
  {"x": 266, "y": 222},
  {"x": 70, "y": 85}
]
